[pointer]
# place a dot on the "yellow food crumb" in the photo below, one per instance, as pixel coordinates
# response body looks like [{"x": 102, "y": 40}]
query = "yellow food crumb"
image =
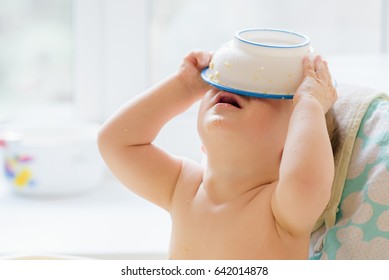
[
  {"x": 211, "y": 65},
  {"x": 227, "y": 64}
]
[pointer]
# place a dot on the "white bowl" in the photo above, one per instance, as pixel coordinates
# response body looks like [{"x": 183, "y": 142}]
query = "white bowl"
[
  {"x": 260, "y": 62},
  {"x": 51, "y": 159}
]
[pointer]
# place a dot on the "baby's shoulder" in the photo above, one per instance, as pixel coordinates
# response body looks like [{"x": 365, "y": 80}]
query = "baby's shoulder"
[{"x": 190, "y": 178}]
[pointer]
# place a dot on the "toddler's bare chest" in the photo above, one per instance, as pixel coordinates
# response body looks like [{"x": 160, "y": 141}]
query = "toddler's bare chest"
[{"x": 222, "y": 231}]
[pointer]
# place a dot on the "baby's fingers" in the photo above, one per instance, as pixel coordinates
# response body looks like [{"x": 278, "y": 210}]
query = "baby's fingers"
[
  {"x": 321, "y": 70},
  {"x": 308, "y": 68},
  {"x": 330, "y": 82},
  {"x": 199, "y": 58}
]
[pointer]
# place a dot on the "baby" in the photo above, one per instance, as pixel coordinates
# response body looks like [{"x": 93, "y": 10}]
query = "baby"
[{"x": 268, "y": 173}]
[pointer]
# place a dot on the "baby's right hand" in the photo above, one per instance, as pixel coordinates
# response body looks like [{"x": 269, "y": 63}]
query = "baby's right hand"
[
  {"x": 317, "y": 83},
  {"x": 190, "y": 71}
]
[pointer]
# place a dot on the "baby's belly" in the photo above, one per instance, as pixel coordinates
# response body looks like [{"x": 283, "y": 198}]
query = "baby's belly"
[{"x": 242, "y": 247}]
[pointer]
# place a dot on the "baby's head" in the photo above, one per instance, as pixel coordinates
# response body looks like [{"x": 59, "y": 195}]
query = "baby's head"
[{"x": 245, "y": 130}]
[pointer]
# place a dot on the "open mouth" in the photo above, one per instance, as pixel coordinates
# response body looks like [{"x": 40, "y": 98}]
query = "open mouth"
[{"x": 228, "y": 98}]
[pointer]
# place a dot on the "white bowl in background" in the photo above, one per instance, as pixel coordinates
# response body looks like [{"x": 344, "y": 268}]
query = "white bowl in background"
[
  {"x": 51, "y": 159},
  {"x": 260, "y": 62}
]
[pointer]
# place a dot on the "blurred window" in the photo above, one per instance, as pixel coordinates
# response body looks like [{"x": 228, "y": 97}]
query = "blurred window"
[
  {"x": 96, "y": 54},
  {"x": 334, "y": 27},
  {"x": 35, "y": 53}
]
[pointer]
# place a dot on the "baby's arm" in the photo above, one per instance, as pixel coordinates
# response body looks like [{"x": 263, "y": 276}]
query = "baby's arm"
[
  {"x": 125, "y": 140},
  {"x": 307, "y": 166}
]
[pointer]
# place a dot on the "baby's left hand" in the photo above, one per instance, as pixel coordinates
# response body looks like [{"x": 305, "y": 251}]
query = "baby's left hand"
[{"x": 317, "y": 83}]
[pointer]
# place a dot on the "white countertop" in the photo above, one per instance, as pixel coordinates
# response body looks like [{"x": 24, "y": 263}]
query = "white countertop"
[{"x": 108, "y": 222}]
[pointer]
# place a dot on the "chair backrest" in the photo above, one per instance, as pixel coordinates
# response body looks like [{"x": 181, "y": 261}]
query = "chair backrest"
[{"x": 361, "y": 230}]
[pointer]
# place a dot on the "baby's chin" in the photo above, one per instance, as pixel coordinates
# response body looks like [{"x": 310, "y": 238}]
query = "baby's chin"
[{"x": 217, "y": 125}]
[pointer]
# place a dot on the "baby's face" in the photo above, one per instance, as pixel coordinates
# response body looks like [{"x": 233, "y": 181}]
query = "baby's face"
[{"x": 257, "y": 124}]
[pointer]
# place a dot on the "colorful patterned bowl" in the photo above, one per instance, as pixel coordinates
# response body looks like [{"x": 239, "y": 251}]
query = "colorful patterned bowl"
[{"x": 43, "y": 159}]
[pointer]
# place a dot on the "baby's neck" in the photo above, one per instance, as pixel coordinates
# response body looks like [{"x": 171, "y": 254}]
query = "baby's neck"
[{"x": 225, "y": 182}]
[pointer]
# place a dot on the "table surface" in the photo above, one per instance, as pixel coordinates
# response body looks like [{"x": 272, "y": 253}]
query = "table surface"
[{"x": 108, "y": 222}]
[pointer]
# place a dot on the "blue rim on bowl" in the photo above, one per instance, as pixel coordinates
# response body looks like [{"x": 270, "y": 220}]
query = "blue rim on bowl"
[
  {"x": 306, "y": 41},
  {"x": 243, "y": 92}
]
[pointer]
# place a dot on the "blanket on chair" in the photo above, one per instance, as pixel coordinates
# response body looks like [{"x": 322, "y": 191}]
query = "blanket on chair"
[{"x": 355, "y": 223}]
